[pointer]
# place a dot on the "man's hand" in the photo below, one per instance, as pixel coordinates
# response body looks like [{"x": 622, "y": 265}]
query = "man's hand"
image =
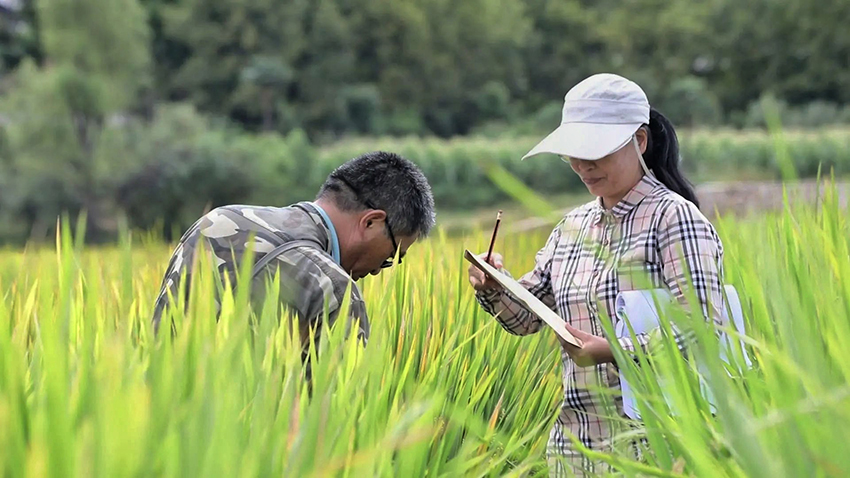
[
  {"x": 596, "y": 349},
  {"x": 480, "y": 280}
]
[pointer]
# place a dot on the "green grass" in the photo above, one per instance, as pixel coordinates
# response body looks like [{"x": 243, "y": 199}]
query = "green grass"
[{"x": 440, "y": 390}]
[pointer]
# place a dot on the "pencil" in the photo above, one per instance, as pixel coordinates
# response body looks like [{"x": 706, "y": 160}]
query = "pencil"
[{"x": 493, "y": 239}]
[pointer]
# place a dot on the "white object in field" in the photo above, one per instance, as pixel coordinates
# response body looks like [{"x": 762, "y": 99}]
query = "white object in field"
[{"x": 638, "y": 307}]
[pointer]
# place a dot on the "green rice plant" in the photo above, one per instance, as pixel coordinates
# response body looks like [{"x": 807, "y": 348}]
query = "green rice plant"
[{"x": 87, "y": 389}]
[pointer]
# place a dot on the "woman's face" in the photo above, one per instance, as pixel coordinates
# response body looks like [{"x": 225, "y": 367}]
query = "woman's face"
[{"x": 613, "y": 176}]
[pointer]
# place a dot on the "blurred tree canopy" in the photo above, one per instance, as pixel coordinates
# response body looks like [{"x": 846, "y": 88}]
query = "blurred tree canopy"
[
  {"x": 441, "y": 67},
  {"x": 160, "y": 108}
]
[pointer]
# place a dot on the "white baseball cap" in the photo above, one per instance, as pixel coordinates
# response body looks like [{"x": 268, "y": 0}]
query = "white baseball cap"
[{"x": 600, "y": 116}]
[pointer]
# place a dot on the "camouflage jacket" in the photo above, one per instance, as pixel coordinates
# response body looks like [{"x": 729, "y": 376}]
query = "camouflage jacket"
[{"x": 309, "y": 276}]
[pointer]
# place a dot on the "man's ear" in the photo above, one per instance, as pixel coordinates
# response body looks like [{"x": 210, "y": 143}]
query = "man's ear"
[{"x": 372, "y": 217}]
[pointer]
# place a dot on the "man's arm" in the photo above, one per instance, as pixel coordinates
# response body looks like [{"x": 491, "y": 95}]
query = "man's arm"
[
  {"x": 179, "y": 269},
  {"x": 310, "y": 282}
]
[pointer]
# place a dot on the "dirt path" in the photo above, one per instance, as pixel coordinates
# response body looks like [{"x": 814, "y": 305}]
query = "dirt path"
[
  {"x": 739, "y": 199},
  {"x": 750, "y": 197}
]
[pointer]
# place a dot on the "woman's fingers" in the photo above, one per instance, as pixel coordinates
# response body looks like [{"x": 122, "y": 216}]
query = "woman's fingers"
[{"x": 478, "y": 279}]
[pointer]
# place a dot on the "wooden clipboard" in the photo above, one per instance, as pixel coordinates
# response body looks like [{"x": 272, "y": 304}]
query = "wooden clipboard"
[{"x": 526, "y": 298}]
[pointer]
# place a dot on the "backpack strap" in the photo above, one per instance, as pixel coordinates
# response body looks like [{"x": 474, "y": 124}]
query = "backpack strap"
[{"x": 260, "y": 264}]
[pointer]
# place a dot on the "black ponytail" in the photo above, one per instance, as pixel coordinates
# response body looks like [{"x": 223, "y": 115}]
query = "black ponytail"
[{"x": 662, "y": 156}]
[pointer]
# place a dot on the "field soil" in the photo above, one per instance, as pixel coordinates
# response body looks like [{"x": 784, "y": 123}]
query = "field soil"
[
  {"x": 736, "y": 198},
  {"x": 745, "y": 198}
]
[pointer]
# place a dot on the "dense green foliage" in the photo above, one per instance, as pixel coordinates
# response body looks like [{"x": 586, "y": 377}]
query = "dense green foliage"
[
  {"x": 158, "y": 109},
  {"x": 333, "y": 67},
  {"x": 163, "y": 174}
]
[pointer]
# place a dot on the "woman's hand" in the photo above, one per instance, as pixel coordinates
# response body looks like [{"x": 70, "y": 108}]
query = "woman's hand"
[
  {"x": 480, "y": 280},
  {"x": 595, "y": 349}
]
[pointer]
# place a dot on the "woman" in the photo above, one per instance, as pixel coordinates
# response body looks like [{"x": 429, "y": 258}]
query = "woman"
[{"x": 645, "y": 218}]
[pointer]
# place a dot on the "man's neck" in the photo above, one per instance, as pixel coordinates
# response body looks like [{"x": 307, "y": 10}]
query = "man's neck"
[{"x": 342, "y": 224}]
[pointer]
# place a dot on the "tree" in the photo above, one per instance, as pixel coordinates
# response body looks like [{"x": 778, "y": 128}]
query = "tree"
[
  {"x": 229, "y": 45},
  {"x": 565, "y": 47},
  {"x": 797, "y": 50},
  {"x": 18, "y": 35},
  {"x": 95, "y": 61},
  {"x": 270, "y": 76}
]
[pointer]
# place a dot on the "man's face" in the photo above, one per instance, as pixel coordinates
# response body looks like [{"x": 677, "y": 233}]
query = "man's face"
[{"x": 378, "y": 245}]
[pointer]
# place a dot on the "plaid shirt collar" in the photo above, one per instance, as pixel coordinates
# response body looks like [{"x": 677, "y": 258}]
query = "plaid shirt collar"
[{"x": 642, "y": 189}]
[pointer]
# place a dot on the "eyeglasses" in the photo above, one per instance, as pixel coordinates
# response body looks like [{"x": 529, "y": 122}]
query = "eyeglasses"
[
  {"x": 388, "y": 262},
  {"x": 632, "y": 140}
]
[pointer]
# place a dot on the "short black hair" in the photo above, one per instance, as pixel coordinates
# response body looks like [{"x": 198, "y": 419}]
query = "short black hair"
[{"x": 390, "y": 183}]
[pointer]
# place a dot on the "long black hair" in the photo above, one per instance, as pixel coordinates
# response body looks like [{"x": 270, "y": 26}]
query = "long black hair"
[{"x": 662, "y": 156}]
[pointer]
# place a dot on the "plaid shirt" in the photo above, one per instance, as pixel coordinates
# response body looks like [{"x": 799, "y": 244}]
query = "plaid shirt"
[{"x": 589, "y": 258}]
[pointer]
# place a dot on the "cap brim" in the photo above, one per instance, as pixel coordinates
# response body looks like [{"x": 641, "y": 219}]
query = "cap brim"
[{"x": 589, "y": 141}]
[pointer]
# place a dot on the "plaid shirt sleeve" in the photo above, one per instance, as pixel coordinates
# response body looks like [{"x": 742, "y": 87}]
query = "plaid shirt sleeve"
[
  {"x": 513, "y": 317},
  {"x": 691, "y": 254}
]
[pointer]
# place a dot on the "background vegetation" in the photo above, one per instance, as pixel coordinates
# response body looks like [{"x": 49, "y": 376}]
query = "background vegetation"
[{"x": 156, "y": 109}]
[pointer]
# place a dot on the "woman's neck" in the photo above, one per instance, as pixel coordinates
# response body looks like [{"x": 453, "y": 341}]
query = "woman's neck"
[{"x": 608, "y": 202}]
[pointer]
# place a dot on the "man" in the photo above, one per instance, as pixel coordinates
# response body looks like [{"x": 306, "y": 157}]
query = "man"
[{"x": 368, "y": 210}]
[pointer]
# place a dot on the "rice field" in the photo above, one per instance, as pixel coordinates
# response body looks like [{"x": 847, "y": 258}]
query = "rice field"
[{"x": 86, "y": 389}]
